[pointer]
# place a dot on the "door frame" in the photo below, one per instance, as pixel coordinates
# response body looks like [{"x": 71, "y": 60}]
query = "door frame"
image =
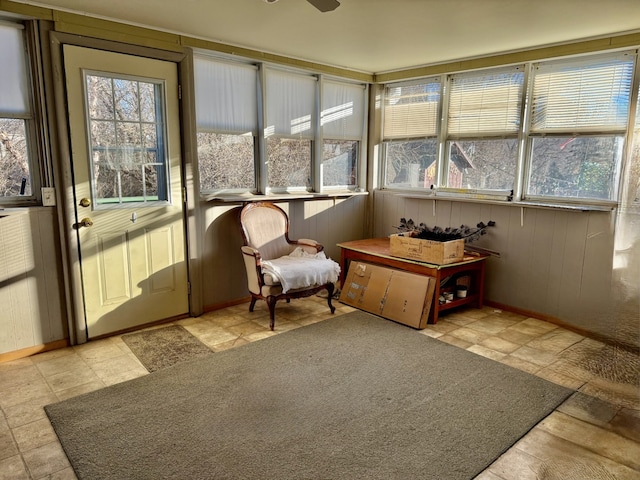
[{"x": 66, "y": 207}]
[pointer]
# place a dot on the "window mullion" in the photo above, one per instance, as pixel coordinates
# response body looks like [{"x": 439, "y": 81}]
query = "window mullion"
[
  {"x": 523, "y": 164},
  {"x": 261, "y": 157}
]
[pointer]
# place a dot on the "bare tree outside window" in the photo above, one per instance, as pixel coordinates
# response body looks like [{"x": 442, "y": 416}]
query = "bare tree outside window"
[
  {"x": 126, "y": 135},
  {"x": 225, "y": 162},
  {"x": 15, "y": 179},
  {"x": 339, "y": 163},
  {"x": 288, "y": 163}
]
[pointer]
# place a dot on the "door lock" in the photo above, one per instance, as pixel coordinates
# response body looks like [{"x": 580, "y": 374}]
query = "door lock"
[
  {"x": 85, "y": 222},
  {"x": 85, "y": 202}
]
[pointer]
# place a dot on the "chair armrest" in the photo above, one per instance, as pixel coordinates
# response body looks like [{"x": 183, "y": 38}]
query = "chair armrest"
[
  {"x": 309, "y": 245},
  {"x": 250, "y": 251}
]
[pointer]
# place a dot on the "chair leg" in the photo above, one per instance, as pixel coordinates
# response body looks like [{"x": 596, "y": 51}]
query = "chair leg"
[
  {"x": 330, "y": 288},
  {"x": 271, "y": 302},
  {"x": 253, "y": 303}
]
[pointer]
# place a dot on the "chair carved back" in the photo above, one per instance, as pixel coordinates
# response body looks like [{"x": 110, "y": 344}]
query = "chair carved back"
[{"x": 265, "y": 227}]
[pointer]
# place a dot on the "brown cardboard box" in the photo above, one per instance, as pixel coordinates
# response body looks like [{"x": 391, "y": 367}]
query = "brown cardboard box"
[
  {"x": 394, "y": 294},
  {"x": 429, "y": 251}
]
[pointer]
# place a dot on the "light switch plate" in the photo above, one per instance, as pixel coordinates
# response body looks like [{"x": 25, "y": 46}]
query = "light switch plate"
[{"x": 48, "y": 197}]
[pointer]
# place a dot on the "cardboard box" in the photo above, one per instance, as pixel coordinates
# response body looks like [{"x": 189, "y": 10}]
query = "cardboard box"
[
  {"x": 429, "y": 251},
  {"x": 393, "y": 294}
]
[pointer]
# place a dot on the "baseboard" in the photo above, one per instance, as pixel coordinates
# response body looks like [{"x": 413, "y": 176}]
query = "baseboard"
[{"x": 27, "y": 352}]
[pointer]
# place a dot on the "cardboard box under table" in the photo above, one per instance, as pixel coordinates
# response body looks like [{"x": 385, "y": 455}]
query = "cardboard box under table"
[
  {"x": 393, "y": 294},
  {"x": 441, "y": 253}
]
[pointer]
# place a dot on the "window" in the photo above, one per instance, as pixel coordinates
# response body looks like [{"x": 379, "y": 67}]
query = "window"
[
  {"x": 411, "y": 127},
  {"x": 227, "y": 124},
  {"x": 545, "y": 131},
  {"x": 289, "y": 129},
  {"x": 262, "y": 129},
  {"x": 17, "y": 183},
  {"x": 126, "y": 123},
  {"x": 343, "y": 107},
  {"x": 579, "y": 117},
  {"x": 482, "y": 129}
]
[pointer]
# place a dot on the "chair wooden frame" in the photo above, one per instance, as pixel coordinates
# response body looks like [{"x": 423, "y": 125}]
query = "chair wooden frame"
[{"x": 253, "y": 262}]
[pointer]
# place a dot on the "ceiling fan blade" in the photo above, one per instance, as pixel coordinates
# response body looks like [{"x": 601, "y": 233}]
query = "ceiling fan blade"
[{"x": 325, "y": 5}]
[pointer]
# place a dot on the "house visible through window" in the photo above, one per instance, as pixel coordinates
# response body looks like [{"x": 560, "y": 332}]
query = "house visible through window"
[{"x": 566, "y": 146}]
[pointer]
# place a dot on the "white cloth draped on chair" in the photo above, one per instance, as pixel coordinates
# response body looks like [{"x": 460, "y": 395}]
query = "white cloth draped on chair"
[{"x": 300, "y": 269}]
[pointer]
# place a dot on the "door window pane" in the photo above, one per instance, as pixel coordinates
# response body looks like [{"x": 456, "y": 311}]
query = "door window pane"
[{"x": 126, "y": 133}]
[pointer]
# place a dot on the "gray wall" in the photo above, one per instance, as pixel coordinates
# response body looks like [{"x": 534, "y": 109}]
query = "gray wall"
[
  {"x": 32, "y": 310},
  {"x": 558, "y": 263},
  {"x": 328, "y": 221}
]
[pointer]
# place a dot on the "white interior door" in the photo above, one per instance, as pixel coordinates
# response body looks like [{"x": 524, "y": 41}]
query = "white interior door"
[{"x": 125, "y": 143}]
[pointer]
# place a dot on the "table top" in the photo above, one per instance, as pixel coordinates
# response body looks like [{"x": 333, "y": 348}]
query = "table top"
[{"x": 379, "y": 247}]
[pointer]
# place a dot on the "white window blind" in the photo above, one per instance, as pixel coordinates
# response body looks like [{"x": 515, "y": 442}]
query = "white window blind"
[
  {"x": 411, "y": 111},
  {"x": 14, "y": 84},
  {"x": 342, "y": 115},
  {"x": 582, "y": 95},
  {"x": 290, "y": 104},
  {"x": 486, "y": 104},
  {"x": 226, "y": 96}
]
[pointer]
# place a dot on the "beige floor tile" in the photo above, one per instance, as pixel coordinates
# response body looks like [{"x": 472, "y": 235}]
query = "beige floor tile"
[
  {"x": 247, "y": 328},
  {"x": 430, "y": 333},
  {"x": 534, "y": 327},
  {"x": 516, "y": 464},
  {"x": 46, "y": 460},
  {"x": 74, "y": 377},
  {"x": 24, "y": 392},
  {"x": 591, "y": 437},
  {"x": 58, "y": 365},
  {"x": 560, "y": 379},
  {"x": 499, "y": 344},
  {"x": 443, "y": 326},
  {"x": 80, "y": 389},
  {"x": 487, "y": 475},
  {"x": 115, "y": 366},
  {"x": 28, "y": 411},
  {"x": 492, "y": 324},
  {"x": 627, "y": 424},
  {"x": 486, "y": 352},
  {"x": 590, "y": 409},
  {"x": 533, "y": 355},
  {"x": 227, "y": 345},
  {"x": 455, "y": 341},
  {"x": 34, "y": 435},
  {"x": 556, "y": 341},
  {"x": 469, "y": 335},
  {"x": 618, "y": 394},
  {"x": 13, "y": 468},
  {"x": 65, "y": 474},
  {"x": 460, "y": 319},
  {"x": 99, "y": 351},
  {"x": 8, "y": 446},
  {"x": 520, "y": 364},
  {"x": 516, "y": 336},
  {"x": 566, "y": 460}
]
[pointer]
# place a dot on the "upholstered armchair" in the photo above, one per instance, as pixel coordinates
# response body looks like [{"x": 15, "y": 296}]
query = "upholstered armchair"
[{"x": 278, "y": 267}]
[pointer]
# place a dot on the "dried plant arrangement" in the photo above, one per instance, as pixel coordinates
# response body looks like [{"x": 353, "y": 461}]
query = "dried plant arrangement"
[{"x": 439, "y": 234}]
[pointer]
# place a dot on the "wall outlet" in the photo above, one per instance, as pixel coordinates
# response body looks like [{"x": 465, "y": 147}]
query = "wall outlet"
[{"x": 48, "y": 197}]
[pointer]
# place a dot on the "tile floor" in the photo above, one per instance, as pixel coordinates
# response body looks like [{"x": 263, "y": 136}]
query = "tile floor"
[{"x": 595, "y": 434}]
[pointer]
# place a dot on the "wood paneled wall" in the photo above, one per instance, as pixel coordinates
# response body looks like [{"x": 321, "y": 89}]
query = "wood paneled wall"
[
  {"x": 329, "y": 221},
  {"x": 557, "y": 263},
  {"x": 32, "y": 308}
]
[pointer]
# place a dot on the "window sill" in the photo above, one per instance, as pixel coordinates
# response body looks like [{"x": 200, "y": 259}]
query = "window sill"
[
  {"x": 275, "y": 197},
  {"x": 513, "y": 203}
]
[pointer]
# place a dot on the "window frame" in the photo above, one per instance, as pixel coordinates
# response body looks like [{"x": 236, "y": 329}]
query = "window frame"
[
  {"x": 38, "y": 171},
  {"x": 523, "y": 164},
  {"x": 315, "y": 185}
]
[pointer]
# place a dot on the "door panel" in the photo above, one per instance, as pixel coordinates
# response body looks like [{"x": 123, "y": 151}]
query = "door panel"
[{"x": 125, "y": 143}]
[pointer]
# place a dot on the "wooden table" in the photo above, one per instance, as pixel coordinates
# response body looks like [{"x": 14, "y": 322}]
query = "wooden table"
[{"x": 376, "y": 250}]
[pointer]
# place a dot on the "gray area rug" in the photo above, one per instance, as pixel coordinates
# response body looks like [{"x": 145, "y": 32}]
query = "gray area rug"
[
  {"x": 164, "y": 347},
  {"x": 353, "y": 397}
]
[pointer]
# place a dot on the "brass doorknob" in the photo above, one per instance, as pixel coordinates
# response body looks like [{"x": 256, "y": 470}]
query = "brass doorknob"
[
  {"x": 85, "y": 202},
  {"x": 85, "y": 222}
]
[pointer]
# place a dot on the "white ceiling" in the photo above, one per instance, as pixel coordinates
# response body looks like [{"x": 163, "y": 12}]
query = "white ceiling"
[{"x": 374, "y": 36}]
